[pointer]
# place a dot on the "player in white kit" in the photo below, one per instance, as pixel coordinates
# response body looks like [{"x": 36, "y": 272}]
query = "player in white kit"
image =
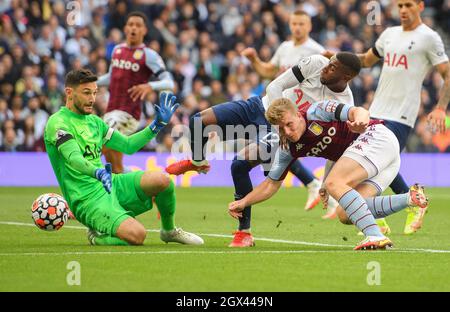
[
  {"x": 289, "y": 54},
  {"x": 409, "y": 52}
]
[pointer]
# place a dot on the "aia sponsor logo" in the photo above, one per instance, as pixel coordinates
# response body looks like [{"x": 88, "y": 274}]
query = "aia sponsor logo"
[{"x": 396, "y": 60}]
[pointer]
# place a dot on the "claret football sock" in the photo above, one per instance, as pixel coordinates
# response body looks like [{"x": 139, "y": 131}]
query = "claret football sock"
[
  {"x": 383, "y": 206},
  {"x": 356, "y": 208},
  {"x": 166, "y": 202}
]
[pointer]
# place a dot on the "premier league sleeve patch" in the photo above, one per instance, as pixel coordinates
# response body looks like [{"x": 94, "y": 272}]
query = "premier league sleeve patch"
[{"x": 62, "y": 136}]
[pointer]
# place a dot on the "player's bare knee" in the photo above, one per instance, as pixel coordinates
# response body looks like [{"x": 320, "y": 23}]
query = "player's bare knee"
[
  {"x": 208, "y": 117},
  {"x": 139, "y": 236},
  {"x": 153, "y": 183},
  {"x": 163, "y": 182},
  {"x": 136, "y": 235},
  {"x": 331, "y": 185}
]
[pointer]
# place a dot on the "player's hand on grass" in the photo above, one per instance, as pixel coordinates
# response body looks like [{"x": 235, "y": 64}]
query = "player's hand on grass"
[
  {"x": 324, "y": 196},
  {"x": 235, "y": 208},
  {"x": 436, "y": 120},
  {"x": 164, "y": 111},
  {"x": 104, "y": 176},
  {"x": 139, "y": 92}
]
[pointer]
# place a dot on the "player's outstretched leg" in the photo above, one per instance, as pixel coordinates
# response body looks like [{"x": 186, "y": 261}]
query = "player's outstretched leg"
[
  {"x": 129, "y": 232},
  {"x": 240, "y": 170},
  {"x": 166, "y": 202},
  {"x": 198, "y": 141},
  {"x": 97, "y": 238},
  {"x": 383, "y": 206},
  {"x": 340, "y": 183}
]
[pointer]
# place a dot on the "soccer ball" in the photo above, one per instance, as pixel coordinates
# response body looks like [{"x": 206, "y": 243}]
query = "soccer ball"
[{"x": 50, "y": 212}]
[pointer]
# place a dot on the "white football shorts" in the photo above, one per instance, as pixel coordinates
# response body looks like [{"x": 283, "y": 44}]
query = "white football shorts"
[
  {"x": 377, "y": 150},
  {"x": 121, "y": 121}
]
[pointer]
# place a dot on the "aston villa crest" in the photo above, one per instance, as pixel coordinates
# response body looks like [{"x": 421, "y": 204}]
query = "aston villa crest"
[{"x": 137, "y": 55}]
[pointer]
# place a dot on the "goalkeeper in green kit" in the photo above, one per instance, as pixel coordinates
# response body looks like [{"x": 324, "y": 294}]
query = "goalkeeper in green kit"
[{"x": 107, "y": 203}]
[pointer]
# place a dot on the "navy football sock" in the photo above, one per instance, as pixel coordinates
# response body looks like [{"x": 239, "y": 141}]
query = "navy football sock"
[
  {"x": 240, "y": 170},
  {"x": 301, "y": 172},
  {"x": 399, "y": 185},
  {"x": 198, "y": 141}
]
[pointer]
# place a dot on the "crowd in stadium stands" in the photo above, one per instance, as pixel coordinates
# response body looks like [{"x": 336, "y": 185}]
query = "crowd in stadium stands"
[{"x": 200, "y": 42}]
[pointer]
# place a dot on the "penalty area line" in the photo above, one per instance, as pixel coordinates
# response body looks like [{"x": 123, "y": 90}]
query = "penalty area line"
[{"x": 272, "y": 240}]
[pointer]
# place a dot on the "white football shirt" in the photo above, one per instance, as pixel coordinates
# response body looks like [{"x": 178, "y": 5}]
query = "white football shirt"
[
  {"x": 288, "y": 54},
  {"x": 408, "y": 56},
  {"x": 310, "y": 89}
]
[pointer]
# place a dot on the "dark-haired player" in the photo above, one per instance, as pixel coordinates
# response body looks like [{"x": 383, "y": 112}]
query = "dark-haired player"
[
  {"x": 132, "y": 66},
  {"x": 107, "y": 203},
  {"x": 408, "y": 51}
]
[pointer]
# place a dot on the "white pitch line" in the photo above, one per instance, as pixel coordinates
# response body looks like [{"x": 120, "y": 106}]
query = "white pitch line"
[
  {"x": 196, "y": 252},
  {"x": 200, "y": 252},
  {"x": 272, "y": 240}
]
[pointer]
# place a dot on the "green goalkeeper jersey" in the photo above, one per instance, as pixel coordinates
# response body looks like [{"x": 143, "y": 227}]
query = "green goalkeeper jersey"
[{"x": 74, "y": 145}]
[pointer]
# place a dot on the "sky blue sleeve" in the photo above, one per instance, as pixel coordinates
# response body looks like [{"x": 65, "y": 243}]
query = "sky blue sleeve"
[
  {"x": 281, "y": 164},
  {"x": 328, "y": 110},
  {"x": 154, "y": 61},
  {"x": 105, "y": 79}
]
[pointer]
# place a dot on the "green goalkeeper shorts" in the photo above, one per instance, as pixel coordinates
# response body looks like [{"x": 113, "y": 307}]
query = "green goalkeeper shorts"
[{"x": 106, "y": 212}]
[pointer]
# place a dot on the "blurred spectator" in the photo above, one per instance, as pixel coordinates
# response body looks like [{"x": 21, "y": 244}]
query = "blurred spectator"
[
  {"x": 200, "y": 42},
  {"x": 217, "y": 95},
  {"x": 5, "y": 112},
  {"x": 40, "y": 116},
  {"x": 54, "y": 94},
  {"x": 10, "y": 141}
]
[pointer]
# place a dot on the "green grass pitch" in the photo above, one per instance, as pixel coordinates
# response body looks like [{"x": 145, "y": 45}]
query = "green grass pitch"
[{"x": 311, "y": 255}]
